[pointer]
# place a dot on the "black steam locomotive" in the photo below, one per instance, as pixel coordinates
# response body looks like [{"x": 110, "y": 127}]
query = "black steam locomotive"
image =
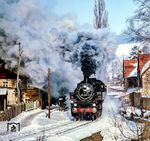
[{"x": 87, "y": 99}]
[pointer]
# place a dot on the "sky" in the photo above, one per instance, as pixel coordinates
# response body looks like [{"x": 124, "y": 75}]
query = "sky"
[{"x": 82, "y": 11}]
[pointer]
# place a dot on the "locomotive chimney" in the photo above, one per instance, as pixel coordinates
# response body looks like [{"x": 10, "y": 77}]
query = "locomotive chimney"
[{"x": 86, "y": 79}]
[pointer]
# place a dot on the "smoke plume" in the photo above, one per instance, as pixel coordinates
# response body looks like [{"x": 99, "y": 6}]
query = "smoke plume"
[{"x": 50, "y": 41}]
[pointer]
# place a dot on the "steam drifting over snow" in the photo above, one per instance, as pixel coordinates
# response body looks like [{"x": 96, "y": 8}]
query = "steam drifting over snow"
[{"x": 50, "y": 41}]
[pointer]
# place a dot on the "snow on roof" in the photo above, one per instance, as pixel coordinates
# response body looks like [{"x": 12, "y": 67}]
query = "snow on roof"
[
  {"x": 146, "y": 66},
  {"x": 134, "y": 72},
  {"x": 3, "y": 91},
  {"x": 129, "y": 67},
  {"x": 124, "y": 50},
  {"x": 131, "y": 90}
]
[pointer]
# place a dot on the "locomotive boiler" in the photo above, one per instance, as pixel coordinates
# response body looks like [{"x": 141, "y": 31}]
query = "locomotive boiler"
[{"x": 87, "y": 99}]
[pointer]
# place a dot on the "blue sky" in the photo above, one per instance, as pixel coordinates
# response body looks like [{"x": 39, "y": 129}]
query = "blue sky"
[{"x": 118, "y": 11}]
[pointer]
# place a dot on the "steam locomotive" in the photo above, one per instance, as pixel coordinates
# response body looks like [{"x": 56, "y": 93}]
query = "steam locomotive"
[{"x": 87, "y": 99}]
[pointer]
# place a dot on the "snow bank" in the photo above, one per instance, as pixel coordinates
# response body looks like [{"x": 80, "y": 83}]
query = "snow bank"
[{"x": 18, "y": 119}]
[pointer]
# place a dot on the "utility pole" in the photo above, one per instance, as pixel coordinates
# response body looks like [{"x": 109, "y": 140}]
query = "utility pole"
[
  {"x": 20, "y": 51},
  {"x": 49, "y": 93},
  {"x": 101, "y": 15},
  {"x": 138, "y": 70},
  {"x": 123, "y": 73}
]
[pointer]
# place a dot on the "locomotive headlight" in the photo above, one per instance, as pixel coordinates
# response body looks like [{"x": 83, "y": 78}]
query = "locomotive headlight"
[
  {"x": 74, "y": 110},
  {"x": 94, "y": 104},
  {"x": 75, "y": 104},
  {"x": 94, "y": 110}
]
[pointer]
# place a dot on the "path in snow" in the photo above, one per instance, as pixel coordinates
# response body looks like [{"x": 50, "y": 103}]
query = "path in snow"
[{"x": 28, "y": 120}]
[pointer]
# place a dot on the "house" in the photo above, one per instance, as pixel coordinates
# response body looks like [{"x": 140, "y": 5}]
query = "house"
[
  {"x": 32, "y": 94},
  {"x": 130, "y": 73},
  {"x": 9, "y": 84},
  {"x": 8, "y": 81},
  {"x": 137, "y": 74},
  {"x": 133, "y": 69},
  {"x": 3, "y": 99}
]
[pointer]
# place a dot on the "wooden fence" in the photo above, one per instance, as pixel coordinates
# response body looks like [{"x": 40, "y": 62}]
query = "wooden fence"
[
  {"x": 145, "y": 103},
  {"x": 15, "y": 110},
  {"x": 141, "y": 102}
]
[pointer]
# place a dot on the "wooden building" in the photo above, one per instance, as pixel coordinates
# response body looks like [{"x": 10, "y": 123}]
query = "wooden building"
[
  {"x": 8, "y": 81},
  {"x": 32, "y": 94}
]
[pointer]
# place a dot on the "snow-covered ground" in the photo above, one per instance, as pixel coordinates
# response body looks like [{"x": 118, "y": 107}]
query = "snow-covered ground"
[
  {"x": 62, "y": 127},
  {"x": 136, "y": 113},
  {"x": 63, "y": 122}
]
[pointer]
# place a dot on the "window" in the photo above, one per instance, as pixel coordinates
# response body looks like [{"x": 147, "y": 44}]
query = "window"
[{"x": 5, "y": 83}]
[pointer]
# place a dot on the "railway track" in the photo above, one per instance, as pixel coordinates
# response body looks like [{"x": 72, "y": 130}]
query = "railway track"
[
  {"x": 43, "y": 130},
  {"x": 51, "y": 131}
]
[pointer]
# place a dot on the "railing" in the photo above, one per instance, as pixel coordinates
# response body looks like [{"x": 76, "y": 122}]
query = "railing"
[{"x": 32, "y": 105}]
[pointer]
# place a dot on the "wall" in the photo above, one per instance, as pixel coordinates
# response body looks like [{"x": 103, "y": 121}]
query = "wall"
[
  {"x": 146, "y": 83},
  {"x": 32, "y": 94},
  {"x": 11, "y": 82},
  {"x": 10, "y": 85},
  {"x": 146, "y": 131},
  {"x": 11, "y": 98},
  {"x": 145, "y": 103}
]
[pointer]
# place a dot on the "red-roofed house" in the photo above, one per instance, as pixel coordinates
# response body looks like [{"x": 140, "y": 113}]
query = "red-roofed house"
[
  {"x": 137, "y": 73},
  {"x": 130, "y": 73},
  {"x": 133, "y": 70}
]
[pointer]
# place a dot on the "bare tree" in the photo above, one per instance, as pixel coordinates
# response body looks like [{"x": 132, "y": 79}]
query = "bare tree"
[
  {"x": 20, "y": 51},
  {"x": 139, "y": 23},
  {"x": 134, "y": 52},
  {"x": 101, "y": 15},
  {"x": 129, "y": 130}
]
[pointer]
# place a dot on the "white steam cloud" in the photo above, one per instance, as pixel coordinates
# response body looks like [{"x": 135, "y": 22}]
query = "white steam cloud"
[{"x": 50, "y": 41}]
